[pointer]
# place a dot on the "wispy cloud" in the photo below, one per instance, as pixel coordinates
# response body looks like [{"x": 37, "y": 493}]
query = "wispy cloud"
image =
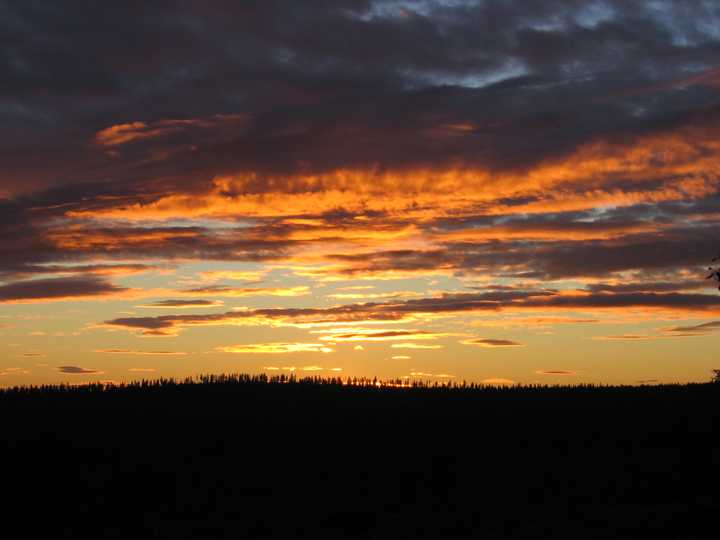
[
  {"x": 14, "y": 371},
  {"x": 629, "y": 337},
  {"x": 491, "y": 343},
  {"x": 695, "y": 329},
  {"x": 415, "y": 346},
  {"x": 76, "y": 370},
  {"x": 301, "y": 290},
  {"x": 140, "y": 353},
  {"x": 166, "y": 304},
  {"x": 58, "y": 289},
  {"x": 276, "y": 348}
]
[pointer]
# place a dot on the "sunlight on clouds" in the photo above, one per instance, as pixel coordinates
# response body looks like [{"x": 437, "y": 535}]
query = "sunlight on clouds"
[
  {"x": 579, "y": 198},
  {"x": 422, "y": 194},
  {"x": 140, "y": 353},
  {"x": 121, "y": 134},
  {"x": 389, "y": 335},
  {"x": 276, "y": 348},
  {"x": 373, "y": 296},
  {"x": 231, "y": 292},
  {"x": 414, "y": 346},
  {"x": 183, "y": 304},
  {"x": 211, "y": 276}
]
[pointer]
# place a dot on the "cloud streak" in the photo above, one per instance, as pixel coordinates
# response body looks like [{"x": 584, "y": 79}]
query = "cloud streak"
[
  {"x": 492, "y": 343},
  {"x": 414, "y": 309},
  {"x": 276, "y": 348},
  {"x": 76, "y": 370},
  {"x": 58, "y": 289}
]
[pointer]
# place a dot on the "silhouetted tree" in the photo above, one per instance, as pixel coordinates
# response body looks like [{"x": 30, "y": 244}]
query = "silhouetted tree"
[{"x": 715, "y": 272}]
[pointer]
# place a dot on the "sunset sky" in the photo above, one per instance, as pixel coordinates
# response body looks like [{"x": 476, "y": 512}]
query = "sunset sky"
[{"x": 441, "y": 190}]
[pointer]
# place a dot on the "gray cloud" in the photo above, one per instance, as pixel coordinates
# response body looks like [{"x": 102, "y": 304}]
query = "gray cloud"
[
  {"x": 182, "y": 303},
  {"x": 75, "y": 370},
  {"x": 58, "y": 289},
  {"x": 446, "y": 303},
  {"x": 536, "y": 81},
  {"x": 696, "y": 329},
  {"x": 489, "y": 342},
  {"x": 264, "y": 88}
]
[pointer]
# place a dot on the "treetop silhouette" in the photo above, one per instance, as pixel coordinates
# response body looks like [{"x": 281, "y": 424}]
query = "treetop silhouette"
[{"x": 715, "y": 272}]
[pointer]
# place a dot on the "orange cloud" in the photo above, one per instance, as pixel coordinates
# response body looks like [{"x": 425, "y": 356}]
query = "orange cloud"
[
  {"x": 232, "y": 275},
  {"x": 373, "y": 296},
  {"x": 445, "y": 305},
  {"x": 121, "y": 134},
  {"x": 276, "y": 348},
  {"x": 384, "y": 335},
  {"x": 629, "y": 337},
  {"x": 183, "y": 304},
  {"x": 684, "y": 161},
  {"x": 140, "y": 353},
  {"x": 301, "y": 290},
  {"x": 414, "y": 346}
]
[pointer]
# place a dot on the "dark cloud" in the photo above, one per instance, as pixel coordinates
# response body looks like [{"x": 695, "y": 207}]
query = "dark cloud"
[
  {"x": 650, "y": 286},
  {"x": 674, "y": 248},
  {"x": 183, "y": 303},
  {"x": 383, "y": 335},
  {"x": 364, "y": 77},
  {"x": 37, "y": 248},
  {"x": 669, "y": 301},
  {"x": 488, "y": 342},
  {"x": 696, "y": 329},
  {"x": 405, "y": 309},
  {"x": 75, "y": 370},
  {"x": 249, "y": 291},
  {"x": 58, "y": 289},
  {"x": 585, "y": 134}
]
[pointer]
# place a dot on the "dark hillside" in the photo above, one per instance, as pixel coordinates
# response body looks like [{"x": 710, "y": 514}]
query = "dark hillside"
[{"x": 240, "y": 457}]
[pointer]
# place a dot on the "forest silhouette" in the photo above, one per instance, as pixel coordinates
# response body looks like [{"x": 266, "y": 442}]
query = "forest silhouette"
[{"x": 230, "y": 456}]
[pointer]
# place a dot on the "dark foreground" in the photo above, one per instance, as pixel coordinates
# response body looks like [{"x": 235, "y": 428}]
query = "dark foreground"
[{"x": 247, "y": 459}]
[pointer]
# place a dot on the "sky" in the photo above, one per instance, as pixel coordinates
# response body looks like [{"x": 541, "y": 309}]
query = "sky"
[{"x": 441, "y": 190}]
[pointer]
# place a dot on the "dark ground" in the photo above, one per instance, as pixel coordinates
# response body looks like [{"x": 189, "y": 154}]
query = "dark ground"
[{"x": 248, "y": 459}]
